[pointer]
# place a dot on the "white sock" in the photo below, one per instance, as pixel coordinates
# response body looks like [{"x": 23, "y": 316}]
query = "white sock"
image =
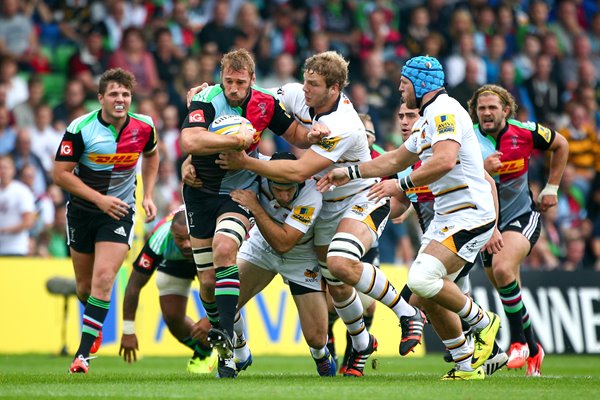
[{"x": 351, "y": 312}]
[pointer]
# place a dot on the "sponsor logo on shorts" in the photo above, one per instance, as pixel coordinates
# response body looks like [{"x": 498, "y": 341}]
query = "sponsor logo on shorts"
[
  {"x": 311, "y": 275},
  {"x": 66, "y": 148},
  {"x": 145, "y": 261},
  {"x": 516, "y": 223},
  {"x": 329, "y": 144},
  {"x": 303, "y": 214},
  {"x": 196, "y": 117},
  {"x": 120, "y": 231},
  {"x": 359, "y": 209},
  {"x": 445, "y": 124}
]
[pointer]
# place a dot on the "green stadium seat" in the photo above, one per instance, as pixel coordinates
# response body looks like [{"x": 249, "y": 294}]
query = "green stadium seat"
[
  {"x": 61, "y": 56},
  {"x": 54, "y": 87}
]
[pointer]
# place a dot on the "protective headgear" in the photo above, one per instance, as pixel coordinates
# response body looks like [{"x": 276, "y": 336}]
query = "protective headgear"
[
  {"x": 425, "y": 73},
  {"x": 284, "y": 155}
]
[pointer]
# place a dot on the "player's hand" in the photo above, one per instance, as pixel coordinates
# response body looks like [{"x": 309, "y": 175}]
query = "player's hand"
[
  {"x": 546, "y": 201},
  {"x": 318, "y": 131},
  {"x": 149, "y": 208},
  {"x": 246, "y": 198},
  {"x": 335, "y": 177},
  {"x": 232, "y": 161},
  {"x": 129, "y": 346},
  {"x": 495, "y": 244},
  {"x": 113, "y": 206},
  {"x": 188, "y": 175},
  {"x": 193, "y": 91},
  {"x": 492, "y": 163},
  {"x": 380, "y": 190},
  {"x": 247, "y": 135},
  {"x": 200, "y": 330}
]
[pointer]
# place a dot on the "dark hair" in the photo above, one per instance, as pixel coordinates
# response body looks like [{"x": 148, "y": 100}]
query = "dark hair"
[
  {"x": 118, "y": 75},
  {"x": 283, "y": 155},
  {"x": 179, "y": 218}
]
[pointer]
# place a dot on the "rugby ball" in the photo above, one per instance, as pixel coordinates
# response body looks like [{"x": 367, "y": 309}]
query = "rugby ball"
[{"x": 228, "y": 124}]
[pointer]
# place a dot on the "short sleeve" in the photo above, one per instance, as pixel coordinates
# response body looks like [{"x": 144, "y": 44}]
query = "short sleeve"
[{"x": 71, "y": 147}]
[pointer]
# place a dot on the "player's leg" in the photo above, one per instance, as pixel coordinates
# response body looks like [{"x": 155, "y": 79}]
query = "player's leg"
[
  {"x": 253, "y": 279},
  {"x": 312, "y": 310},
  {"x": 343, "y": 259}
]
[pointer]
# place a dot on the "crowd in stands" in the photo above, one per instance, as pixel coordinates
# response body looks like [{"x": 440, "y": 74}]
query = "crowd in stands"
[{"x": 546, "y": 53}]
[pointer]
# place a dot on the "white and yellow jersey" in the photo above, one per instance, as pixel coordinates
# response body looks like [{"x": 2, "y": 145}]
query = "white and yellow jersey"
[
  {"x": 347, "y": 143},
  {"x": 464, "y": 187}
]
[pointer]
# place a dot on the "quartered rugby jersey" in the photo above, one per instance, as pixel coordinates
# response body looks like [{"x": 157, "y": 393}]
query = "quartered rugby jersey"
[
  {"x": 464, "y": 187},
  {"x": 161, "y": 247},
  {"x": 516, "y": 142},
  {"x": 347, "y": 143},
  {"x": 261, "y": 108},
  {"x": 106, "y": 158}
]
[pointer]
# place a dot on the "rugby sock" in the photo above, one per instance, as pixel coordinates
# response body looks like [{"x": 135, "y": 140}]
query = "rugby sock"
[
  {"x": 241, "y": 351},
  {"x": 406, "y": 293},
  {"x": 199, "y": 349},
  {"x": 529, "y": 333},
  {"x": 317, "y": 354},
  {"x": 375, "y": 284},
  {"x": 332, "y": 317},
  {"x": 474, "y": 315},
  {"x": 238, "y": 328},
  {"x": 351, "y": 312},
  {"x": 461, "y": 352},
  {"x": 93, "y": 319},
  {"x": 227, "y": 293},
  {"x": 211, "y": 311},
  {"x": 510, "y": 295}
]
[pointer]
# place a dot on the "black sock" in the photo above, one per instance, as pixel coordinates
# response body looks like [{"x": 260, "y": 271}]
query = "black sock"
[
  {"x": 227, "y": 293},
  {"x": 93, "y": 319}
]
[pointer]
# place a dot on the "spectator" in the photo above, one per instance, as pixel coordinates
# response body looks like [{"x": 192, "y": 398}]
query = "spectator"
[
  {"x": 464, "y": 90},
  {"x": 217, "y": 31},
  {"x": 543, "y": 92},
  {"x": 507, "y": 79},
  {"x": 284, "y": 70},
  {"x": 336, "y": 20},
  {"x": 24, "y": 112},
  {"x": 133, "y": 56},
  {"x": 166, "y": 195},
  {"x": 505, "y": 26},
  {"x": 594, "y": 33},
  {"x": 72, "y": 105},
  {"x": 382, "y": 92},
  {"x": 582, "y": 145},
  {"x": 250, "y": 27},
  {"x": 116, "y": 21},
  {"x": 16, "y": 87},
  {"x": 16, "y": 211},
  {"x": 538, "y": 21},
  {"x": 358, "y": 95},
  {"x": 571, "y": 208},
  {"x": 53, "y": 241},
  {"x": 23, "y": 155},
  {"x": 183, "y": 28},
  {"x": 167, "y": 56},
  {"x": 90, "y": 59},
  {"x": 45, "y": 139},
  {"x": 44, "y": 208},
  {"x": 8, "y": 135},
  {"x": 461, "y": 24},
  {"x": 566, "y": 27},
  {"x": 17, "y": 34},
  {"x": 417, "y": 31},
  {"x": 380, "y": 37},
  {"x": 525, "y": 60},
  {"x": 456, "y": 63},
  {"x": 570, "y": 66},
  {"x": 494, "y": 57}
]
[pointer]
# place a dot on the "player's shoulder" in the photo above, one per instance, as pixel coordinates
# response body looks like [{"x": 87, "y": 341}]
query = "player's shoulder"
[
  {"x": 160, "y": 234},
  {"x": 143, "y": 118},
  {"x": 208, "y": 94},
  {"x": 519, "y": 125},
  {"x": 83, "y": 121}
]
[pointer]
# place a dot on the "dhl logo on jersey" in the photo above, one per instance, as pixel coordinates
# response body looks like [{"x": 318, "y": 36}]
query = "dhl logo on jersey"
[
  {"x": 418, "y": 190},
  {"x": 123, "y": 158},
  {"x": 329, "y": 144},
  {"x": 303, "y": 214},
  {"x": 509, "y": 167}
]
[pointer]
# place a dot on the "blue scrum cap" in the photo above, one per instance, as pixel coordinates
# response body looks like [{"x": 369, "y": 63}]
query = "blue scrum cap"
[{"x": 425, "y": 73}]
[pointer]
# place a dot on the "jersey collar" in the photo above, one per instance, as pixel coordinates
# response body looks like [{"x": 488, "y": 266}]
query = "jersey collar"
[
  {"x": 316, "y": 117},
  {"x": 422, "y": 110},
  {"x": 112, "y": 128}
]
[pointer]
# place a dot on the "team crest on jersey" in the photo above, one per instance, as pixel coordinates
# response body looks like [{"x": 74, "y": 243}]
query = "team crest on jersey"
[
  {"x": 359, "y": 209},
  {"x": 303, "y": 214},
  {"x": 263, "y": 108},
  {"x": 329, "y": 144},
  {"x": 445, "y": 124},
  {"x": 545, "y": 133}
]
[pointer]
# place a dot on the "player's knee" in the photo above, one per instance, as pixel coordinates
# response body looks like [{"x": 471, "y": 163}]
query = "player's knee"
[
  {"x": 232, "y": 228},
  {"x": 207, "y": 286},
  {"x": 344, "y": 251},
  {"x": 426, "y": 274},
  {"x": 504, "y": 273},
  {"x": 316, "y": 338}
]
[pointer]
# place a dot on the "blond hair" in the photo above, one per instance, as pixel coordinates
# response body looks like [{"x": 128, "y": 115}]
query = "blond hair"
[
  {"x": 238, "y": 60},
  {"x": 331, "y": 66}
]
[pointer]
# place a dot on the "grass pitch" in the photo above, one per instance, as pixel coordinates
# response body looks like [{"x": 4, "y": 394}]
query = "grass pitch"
[{"x": 277, "y": 377}]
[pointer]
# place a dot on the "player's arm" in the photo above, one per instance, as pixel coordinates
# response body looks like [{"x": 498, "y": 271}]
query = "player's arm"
[
  {"x": 283, "y": 171},
  {"x": 495, "y": 244},
  {"x": 443, "y": 159},
  {"x": 150, "y": 163},
  {"x": 302, "y": 137},
  {"x": 559, "y": 150},
  {"x": 282, "y": 238}
]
